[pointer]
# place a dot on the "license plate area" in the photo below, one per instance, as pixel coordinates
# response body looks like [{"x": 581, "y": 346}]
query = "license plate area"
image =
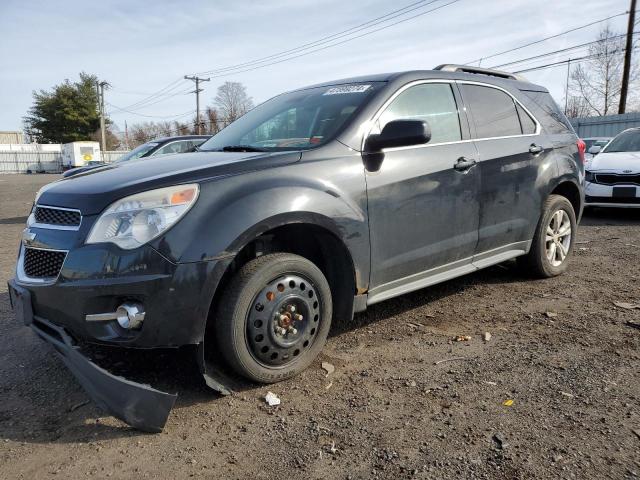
[{"x": 624, "y": 192}]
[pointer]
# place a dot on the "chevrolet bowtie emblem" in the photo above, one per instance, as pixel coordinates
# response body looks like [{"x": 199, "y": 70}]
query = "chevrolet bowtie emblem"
[{"x": 28, "y": 237}]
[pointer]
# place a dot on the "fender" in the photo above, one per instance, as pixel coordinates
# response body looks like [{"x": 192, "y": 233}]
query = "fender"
[{"x": 232, "y": 211}]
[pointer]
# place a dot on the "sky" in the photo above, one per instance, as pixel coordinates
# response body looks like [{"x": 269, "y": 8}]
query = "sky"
[{"x": 141, "y": 48}]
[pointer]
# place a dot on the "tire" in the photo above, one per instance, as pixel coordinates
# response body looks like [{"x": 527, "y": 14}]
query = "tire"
[
  {"x": 259, "y": 335},
  {"x": 537, "y": 262}
]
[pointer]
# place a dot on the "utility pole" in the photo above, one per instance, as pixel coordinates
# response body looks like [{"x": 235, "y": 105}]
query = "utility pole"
[
  {"x": 100, "y": 89},
  {"x": 566, "y": 91},
  {"x": 627, "y": 58},
  {"x": 197, "y": 92}
]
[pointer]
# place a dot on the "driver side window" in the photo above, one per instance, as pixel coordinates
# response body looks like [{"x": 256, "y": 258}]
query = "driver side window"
[{"x": 433, "y": 102}]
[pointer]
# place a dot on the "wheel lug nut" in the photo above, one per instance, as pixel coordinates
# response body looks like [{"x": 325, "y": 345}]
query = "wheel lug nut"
[
  {"x": 293, "y": 331},
  {"x": 298, "y": 317},
  {"x": 291, "y": 308}
]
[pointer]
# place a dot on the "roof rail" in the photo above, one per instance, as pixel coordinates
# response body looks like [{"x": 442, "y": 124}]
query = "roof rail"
[{"x": 449, "y": 67}]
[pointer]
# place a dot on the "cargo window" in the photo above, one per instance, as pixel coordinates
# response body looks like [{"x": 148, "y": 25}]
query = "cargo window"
[
  {"x": 433, "y": 102},
  {"x": 494, "y": 112}
]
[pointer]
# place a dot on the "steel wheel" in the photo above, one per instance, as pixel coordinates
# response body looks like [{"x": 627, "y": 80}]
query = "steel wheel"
[
  {"x": 283, "y": 320},
  {"x": 558, "y": 238}
]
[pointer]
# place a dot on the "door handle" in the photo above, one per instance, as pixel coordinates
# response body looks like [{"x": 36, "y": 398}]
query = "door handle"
[
  {"x": 463, "y": 164},
  {"x": 535, "y": 149}
]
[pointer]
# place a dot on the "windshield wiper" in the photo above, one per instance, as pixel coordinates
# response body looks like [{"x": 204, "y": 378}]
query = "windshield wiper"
[{"x": 242, "y": 148}]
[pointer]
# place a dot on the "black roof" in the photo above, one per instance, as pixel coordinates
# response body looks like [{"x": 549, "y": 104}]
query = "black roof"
[{"x": 420, "y": 74}]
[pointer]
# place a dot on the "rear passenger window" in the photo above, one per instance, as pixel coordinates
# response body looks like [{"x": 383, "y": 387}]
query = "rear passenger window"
[
  {"x": 433, "y": 102},
  {"x": 527, "y": 123},
  {"x": 493, "y": 111}
]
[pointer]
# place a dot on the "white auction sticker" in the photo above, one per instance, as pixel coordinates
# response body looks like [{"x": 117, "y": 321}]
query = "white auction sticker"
[{"x": 347, "y": 89}]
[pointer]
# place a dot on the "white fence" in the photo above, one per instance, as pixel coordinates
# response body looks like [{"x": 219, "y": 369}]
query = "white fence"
[{"x": 40, "y": 162}]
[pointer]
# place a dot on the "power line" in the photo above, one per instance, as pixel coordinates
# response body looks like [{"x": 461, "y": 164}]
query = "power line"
[
  {"x": 562, "y": 50},
  {"x": 341, "y": 42},
  {"x": 572, "y": 60},
  {"x": 165, "y": 90},
  {"x": 329, "y": 38},
  {"x": 197, "y": 91},
  {"x": 148, "y": 116},
  {"x": 545, "y": 39}
]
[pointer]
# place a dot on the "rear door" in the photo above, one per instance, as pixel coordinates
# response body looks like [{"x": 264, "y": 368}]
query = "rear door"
[
  {"x": 511, "y": 153},
  {"x": 423, "y": 213}
]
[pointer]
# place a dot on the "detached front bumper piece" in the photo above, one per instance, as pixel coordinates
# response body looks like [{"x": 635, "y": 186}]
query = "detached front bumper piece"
[{"x": 138, "y": 405}]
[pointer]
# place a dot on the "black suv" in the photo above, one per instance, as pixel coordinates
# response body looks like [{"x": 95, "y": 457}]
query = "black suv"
[{"x": 310, "y": 207}]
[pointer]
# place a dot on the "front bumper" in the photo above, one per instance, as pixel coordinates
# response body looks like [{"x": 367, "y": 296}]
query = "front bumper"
[
  {"x": 599, "y": 195},
  {"x": 95, "y": 279},
  {"x": 141, "y": 406}
]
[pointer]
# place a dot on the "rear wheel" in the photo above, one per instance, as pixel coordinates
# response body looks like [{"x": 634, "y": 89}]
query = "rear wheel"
[
  {"x": 274, "y": 317},
  {"x": 553, "y": 240}
]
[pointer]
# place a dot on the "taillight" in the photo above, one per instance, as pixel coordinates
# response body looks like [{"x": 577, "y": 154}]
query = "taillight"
[{"x": 582, "y": 148}]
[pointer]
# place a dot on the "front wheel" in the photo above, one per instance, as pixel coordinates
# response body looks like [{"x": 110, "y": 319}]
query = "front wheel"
[
  {"x": 274, "y": 317},
  {"x": 553, "y": 240}
]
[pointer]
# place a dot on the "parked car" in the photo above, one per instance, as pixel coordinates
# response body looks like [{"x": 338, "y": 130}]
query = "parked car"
[
  {"x": 312, "y": 206},
  {"x": 612, "y": 178},
  {"x": 160, "y": 146},
  {"x": 593, "y": 146}
]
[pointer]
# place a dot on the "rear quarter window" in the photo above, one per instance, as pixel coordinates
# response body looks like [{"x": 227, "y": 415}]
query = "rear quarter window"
[{"x": 551, "y": 117}]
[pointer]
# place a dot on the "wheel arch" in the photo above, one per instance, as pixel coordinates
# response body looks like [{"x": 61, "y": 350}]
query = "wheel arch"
[
  {"x": 569, "y": 189},
  {"x": 310, "y": 235}
]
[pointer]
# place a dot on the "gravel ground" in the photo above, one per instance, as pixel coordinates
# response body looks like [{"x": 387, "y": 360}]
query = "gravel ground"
[{"x": 554, "y": 393}]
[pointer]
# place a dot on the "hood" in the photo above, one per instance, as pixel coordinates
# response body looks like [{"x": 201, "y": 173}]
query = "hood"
[
  {"x": 615, "y": 162},
  {"x": 93, "y": 190}
]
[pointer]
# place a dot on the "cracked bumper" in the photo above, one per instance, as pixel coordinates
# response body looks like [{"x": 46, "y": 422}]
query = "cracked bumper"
[{"x": 138, "y": 405}]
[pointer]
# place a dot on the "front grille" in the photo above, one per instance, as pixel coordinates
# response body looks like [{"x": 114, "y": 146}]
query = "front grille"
[
  {"x": 42, "y": 263},
  {"x": 56, "y": 216},
  {"x": 628, "y": 200},
  {"x": 615, "y": 179}
]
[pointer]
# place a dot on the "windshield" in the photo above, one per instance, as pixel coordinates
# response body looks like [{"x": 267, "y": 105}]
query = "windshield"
[
  {"x": 625, "y": 142},
  {"x": 294, "y": 121},
  {"x": 138, "y": 151}
]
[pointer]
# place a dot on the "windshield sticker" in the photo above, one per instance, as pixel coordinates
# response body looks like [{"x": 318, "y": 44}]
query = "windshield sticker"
[{"x": 347, "y": 89}]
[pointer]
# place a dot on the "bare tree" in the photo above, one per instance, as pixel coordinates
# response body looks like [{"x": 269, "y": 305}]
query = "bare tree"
[
  {"x": 212, "y": 122},
  {"x": 577, "y": 107},
  {"x": 232, "y": 101},
  {"x": 597, "y": 81}
]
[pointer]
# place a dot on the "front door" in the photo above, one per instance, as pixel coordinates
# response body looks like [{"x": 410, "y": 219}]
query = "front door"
[{"x": 423, "y": 211}]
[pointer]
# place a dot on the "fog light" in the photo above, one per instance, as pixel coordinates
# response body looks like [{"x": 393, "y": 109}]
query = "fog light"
[{"x": 130, "y": 316}]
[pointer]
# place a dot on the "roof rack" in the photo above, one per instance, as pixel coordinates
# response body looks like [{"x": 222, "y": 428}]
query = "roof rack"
[{"x": 449, "y": 67}]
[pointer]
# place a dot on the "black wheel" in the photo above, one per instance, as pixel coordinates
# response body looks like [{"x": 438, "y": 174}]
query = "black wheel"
[
  {"x": 274, "y": 317},
  {"x": 553, "y": 241}
]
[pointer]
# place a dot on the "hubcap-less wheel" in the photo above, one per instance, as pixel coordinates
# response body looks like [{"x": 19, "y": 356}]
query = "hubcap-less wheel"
[
  {"x": 558, "y": 238},
  {"x": 283, "y": 320}
]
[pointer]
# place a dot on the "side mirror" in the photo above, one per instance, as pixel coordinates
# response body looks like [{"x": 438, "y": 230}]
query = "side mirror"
[
  {"x": 399, "y": 133},
  {"x": 595, "y": 150}
]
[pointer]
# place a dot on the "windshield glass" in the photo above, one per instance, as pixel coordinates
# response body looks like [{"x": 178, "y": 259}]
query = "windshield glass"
[
  {"x": 138, "y": 151},
  {"x": 625, "y": 142},
  {"x": 294, "y": 121}
]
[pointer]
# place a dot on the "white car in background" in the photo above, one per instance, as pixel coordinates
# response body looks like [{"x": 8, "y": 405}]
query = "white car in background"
[{"x": 612, "y": 176}]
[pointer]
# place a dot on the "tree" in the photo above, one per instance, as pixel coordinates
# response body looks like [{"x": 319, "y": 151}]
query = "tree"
[
  {"x": 67, "y": 113},
  {"x": 597, "y": 81},
  {"x": 232, "y": 101},
  {"x": 577, "y": 107},
  {"x": 212, "y": 122}
]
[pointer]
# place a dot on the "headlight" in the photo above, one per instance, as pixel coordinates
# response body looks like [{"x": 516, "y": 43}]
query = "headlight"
[
  {"x": 137, "y": 219},
  {"x": 589, "y": 176}
]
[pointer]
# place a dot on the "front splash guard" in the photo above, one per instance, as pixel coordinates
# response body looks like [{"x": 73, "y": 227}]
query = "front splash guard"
[{"x": 136, "y": 404}]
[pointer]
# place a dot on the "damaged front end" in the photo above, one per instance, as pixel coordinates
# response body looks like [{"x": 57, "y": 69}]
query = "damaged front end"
[{"x": 136, "y": 404}]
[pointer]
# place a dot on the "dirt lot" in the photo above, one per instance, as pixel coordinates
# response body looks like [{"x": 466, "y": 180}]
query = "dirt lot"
[{"x": 559, "y": 349}]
